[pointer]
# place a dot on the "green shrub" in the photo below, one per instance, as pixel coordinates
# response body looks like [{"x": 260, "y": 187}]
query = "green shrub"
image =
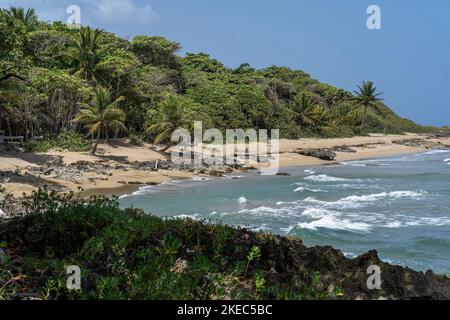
[
  {"x": 65, "y": 141},
  {"x": 136, "y": 139},
  {"x": 126, "y": 254}
]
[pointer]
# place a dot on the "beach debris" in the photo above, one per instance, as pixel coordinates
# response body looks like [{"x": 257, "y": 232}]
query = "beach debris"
[{"x": 324, "y": 154}]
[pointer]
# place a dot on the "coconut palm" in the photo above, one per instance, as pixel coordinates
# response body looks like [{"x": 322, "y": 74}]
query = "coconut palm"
[
  {"x": 102, "y": 116},
  {"x": 367, "y": 97},
  {"x": 308, "y": 113},
  {"x": 171, "y": 116},
  {"x": 9, "y": 94},
  {"x": 84, "y": 55},
  {"x": 28, "y": 18}
]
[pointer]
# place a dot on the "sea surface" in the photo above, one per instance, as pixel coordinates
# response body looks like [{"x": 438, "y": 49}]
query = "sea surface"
[{"x": 399, "y": 206}]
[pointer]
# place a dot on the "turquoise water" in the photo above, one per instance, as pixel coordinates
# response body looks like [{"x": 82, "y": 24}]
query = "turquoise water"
[{"x": 399, "y": 206}]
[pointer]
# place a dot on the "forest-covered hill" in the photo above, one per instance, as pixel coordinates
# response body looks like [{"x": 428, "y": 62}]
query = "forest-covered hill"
[{"x": 49, "y": 72}]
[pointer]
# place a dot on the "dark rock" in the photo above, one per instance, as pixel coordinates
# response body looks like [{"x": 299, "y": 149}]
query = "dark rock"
[
  {"x": 343, "y": 149},
  {"x": 421, "y": 143},
  {"x": 215, "y": 173},
  {"x": 48, "y": 171},
  {"x": 286, "y": 256},
  {"x": 324, "y": 154},
  {"x": 282, "y": 174}
]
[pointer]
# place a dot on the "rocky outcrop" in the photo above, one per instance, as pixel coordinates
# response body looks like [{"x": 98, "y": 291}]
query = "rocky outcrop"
[
  {"x": 324, "y": 154},
  {"x": 343, "y": 148},
  {"x": 290, "y": 261},
  {"x": 422, "y": 143},
  {"x": 73, "y": 172}
]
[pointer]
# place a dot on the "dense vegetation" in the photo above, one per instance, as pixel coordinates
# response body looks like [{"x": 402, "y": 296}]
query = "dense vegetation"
[
  {"x": 126, "y": 254},
  {"x": 54, "y": 79}
]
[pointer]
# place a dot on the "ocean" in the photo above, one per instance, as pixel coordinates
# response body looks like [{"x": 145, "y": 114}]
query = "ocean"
[{"x": 399, "y": 206}]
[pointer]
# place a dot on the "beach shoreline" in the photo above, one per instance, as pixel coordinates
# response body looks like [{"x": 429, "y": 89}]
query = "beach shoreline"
[{"x": 115, "y": 177}]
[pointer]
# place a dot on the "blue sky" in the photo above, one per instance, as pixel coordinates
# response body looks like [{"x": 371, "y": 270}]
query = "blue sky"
[{"x": 408, "y": 59}]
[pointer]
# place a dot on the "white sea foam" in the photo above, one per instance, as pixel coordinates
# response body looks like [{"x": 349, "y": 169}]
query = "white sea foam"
[
  {"x": 145, "y": 190},
  {"x": 393, "y": 224},
  {"x": 301, "y": 189},
  {"x": 447, "y": 160},
  {"x": 309, "y": 171},
  {"x": 436, "y": 152},
  {"x": 325, "y": 178},
  {"x": 435, "y": 222},
  {"x": 357, "y": 201},
  {"x": 233, "y": 177},
  {"x": 194, "y": 216},
  {"x": 332, "y": 222},
  {"x": 242, "y": 200},
  {"x": 354, "y": 164},
  {"x": 350, "y": 255},
  {"x": 287, "y": 230},
  {"x": 200, "y": 178},
  {"x": 392, "y": 194}
]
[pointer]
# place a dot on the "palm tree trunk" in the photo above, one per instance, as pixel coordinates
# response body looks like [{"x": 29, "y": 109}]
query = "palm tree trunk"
[
  {"x": 167, "y": 147},
  {"x": 96, "y": 141},
  {"x": 9, "y": 127},
  {"x": 107, "y": 136},
  {"x": 363, "y": 120}
]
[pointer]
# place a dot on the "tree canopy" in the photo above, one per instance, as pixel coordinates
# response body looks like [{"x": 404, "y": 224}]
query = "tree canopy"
[{"x": 49, "y": 72}]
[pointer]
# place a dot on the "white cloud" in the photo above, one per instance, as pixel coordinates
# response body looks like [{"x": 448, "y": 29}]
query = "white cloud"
[
  {"x": 125, "y": 11},
  {"x": 96, "y": 12}
]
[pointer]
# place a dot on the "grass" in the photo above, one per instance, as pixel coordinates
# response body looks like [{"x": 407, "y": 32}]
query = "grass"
[{"x": 126, "y": 254}]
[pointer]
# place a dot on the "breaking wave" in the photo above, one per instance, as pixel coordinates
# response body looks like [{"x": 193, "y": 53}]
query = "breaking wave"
[{"x": 325, "y": 178}]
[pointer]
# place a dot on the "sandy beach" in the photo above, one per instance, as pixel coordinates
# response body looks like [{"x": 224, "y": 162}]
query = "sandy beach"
[{"x": 121, "y": 181}]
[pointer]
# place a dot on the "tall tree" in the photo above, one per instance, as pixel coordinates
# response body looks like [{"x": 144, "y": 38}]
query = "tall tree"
[
  {"x": 308, "y": 112},
  {"x": 367, "y": 97},
  {"x": 102, "y": 115},
  {"x": 170, "y": 117},
  {"x": 28, "y": 18},
  {"x": 85, "y": 57}
]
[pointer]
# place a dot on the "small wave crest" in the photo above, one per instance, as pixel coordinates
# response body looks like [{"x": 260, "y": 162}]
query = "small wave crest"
[
  {"x": 436, "y": 152},
  {"x": 145, "y": 190},
  {"x": 326, "y": 178},
  {"x": 302, "y": 189},
  {"x": 329, "y": 220},
  {"x": 356, "y": 201}
]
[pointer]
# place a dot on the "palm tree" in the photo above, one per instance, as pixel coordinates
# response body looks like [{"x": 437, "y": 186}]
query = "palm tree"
[
  {"x": 84, "y": 54},
  {"x": 103, "y": 115},
  {"x": 367, "y": 97},
  {"x": 28, "y": 18},
  {"x": 171, "y": 117},
  {"x": 5, "y": 112},
  {"x": 308, "y": 113},
  {"x": 9, "y": 94}
]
